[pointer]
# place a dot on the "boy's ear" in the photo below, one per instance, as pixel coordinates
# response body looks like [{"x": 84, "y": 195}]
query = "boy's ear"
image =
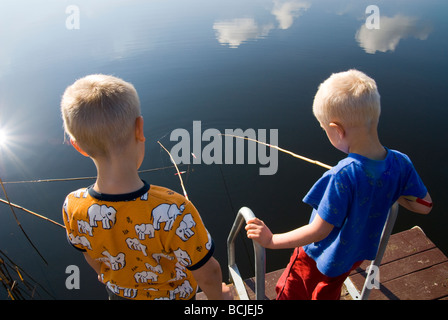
[
  {"x": 339, "y": 129},
  {"x": 139, "y": 131},
  {"x": 78, "y": 148}
]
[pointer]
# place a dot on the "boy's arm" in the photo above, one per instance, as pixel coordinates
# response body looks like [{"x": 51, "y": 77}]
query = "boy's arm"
[
  {"x": 209, "y": 279},
  {"x": 316, "y": 231},
  {"x": 415, "y": 206}
]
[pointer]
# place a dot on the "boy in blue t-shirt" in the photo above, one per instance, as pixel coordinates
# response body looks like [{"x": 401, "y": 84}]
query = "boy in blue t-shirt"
[{"x": 350, "y": 201}]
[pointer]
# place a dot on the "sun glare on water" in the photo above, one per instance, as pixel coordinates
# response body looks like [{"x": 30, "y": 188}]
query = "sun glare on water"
[{"x": 3, "y": 139}]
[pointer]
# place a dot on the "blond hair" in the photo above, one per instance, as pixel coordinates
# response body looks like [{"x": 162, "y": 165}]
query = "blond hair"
[
  {"x": 99, "y": 112},
  {"x": 349, "y": 97}
]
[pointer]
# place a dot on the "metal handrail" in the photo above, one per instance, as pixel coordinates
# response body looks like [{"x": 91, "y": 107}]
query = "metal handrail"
[
  {"x": 245, "y": 214},
  {"x": 371, "y": 274}
]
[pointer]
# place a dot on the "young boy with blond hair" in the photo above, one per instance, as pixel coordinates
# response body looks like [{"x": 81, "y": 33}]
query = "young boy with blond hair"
[
  {"x": 350, "y": 201},
  {"x": 144, "y": 241}
]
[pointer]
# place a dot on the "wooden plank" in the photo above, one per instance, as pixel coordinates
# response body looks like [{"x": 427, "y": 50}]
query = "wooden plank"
[
  {"x": 427, "y": 284},
  {"x": 271, "y": 279},
  {"x": 413, "y": 268},
  {"x": 406, "y": 243},
  {"x": 404, "y": 266},
  {"x": 401, "y": 245}
]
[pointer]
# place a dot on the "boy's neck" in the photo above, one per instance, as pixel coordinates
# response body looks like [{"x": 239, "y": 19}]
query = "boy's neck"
[
  {"x": 117, "y": 177},
  {"x": 367, "y": 145}
]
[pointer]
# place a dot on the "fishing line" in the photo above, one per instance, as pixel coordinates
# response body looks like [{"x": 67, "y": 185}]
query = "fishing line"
[
  {"x": 79, "y": 178},
  {"x": 225, "y": 187},
  {"x": 233, "y": 210}
]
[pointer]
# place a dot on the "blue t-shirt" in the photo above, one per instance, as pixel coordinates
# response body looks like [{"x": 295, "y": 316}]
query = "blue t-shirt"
[{"x": 355, "y": 197}]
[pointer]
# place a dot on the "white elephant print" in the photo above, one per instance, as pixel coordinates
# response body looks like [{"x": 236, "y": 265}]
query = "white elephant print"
[
  {"x": 144, "y": 229},
  {"x": 184, "y": 230},
  {"x": 85, "y": 227},
  {"x": 184, "y": 290},
  {"x": 144, "y": 197},
  {"x": 101, "y": 213},
  {"x": 83, "y": 192},
  {"x": 145, "y": 276},
  {"x": 158, "y": 256},
  {"x": 134, "y": 244},
  {"x": 127, "y": 292},
  {"x": 157, "y": 268},
  {"x": 80, "y": 240},
  {"x": 65, "y": 206},
  {"x": 182, "y": 257},
  {"x": 115, "y": 263},
  {"x": 180, "y": 272},
  {"x": 183, "y": 260},
  {"x": 166, "y": 213},
  {"x": 208, "y": 245}
]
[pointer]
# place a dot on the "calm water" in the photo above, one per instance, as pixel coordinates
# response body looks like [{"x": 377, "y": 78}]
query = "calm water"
[{"x": 229, "y": 64}]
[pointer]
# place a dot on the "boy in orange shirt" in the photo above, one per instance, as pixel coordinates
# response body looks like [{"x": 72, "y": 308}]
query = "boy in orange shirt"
[{"x": 144, "y": 241}]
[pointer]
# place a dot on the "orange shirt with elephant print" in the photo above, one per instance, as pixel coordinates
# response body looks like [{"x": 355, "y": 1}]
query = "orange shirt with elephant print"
[{"x": 146, "y": 241}]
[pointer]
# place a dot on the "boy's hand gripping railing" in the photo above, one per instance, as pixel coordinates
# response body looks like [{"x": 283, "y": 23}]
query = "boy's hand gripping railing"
[
  {"x": 244, "y": 214},
  {"x": 373, "y": 270}
]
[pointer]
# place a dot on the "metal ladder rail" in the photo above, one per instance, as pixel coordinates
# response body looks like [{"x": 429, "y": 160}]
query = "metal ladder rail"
[
  {"x": 387, "y": 230},
  {"x": 244, "y": 214}
]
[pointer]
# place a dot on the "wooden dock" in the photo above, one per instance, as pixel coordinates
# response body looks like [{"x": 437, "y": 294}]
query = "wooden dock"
[{"x": 412, "y": 268}]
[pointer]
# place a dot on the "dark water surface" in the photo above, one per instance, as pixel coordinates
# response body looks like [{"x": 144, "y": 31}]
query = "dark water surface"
[{"x": 228, "y": 64}]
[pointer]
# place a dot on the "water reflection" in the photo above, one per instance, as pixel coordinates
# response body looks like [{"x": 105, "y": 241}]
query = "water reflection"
[
  {"x": 286, "y": 11},
  {"x": 234, "y": 32},
  {"x": 168, "y": 49},
  {"x": 391, "y": 32}
]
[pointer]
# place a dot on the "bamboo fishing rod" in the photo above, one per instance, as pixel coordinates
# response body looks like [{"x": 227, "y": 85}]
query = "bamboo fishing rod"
[
  {"x": 177, "y": 169},
  {"x": 410, "y": 198},
  {"x": 31, "y": 212},
  {"x": 77, "y": 178},
  {"x": 326, "y": 166},
  {"x": 58, "y": 180}
]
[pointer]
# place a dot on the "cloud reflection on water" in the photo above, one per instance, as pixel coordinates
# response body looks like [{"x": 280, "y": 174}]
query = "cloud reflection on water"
[
  {"x": 234, "y": 32},
  {"x": 286, "y": 11},
  {"x": 391, "y": 32}
]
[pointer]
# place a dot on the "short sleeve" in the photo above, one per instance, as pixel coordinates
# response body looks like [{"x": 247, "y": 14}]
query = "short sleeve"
[
  {"x": 189, "y": 240},
  {"x": 77, "y": 241},
  {"x": 413, "y": 185},
  {"x": 331, "y": 197}
]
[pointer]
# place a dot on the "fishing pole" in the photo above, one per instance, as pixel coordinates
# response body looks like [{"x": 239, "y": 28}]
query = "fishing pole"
[
  {"x": 78, "y": 178},
  {"x": 282, "y": 150},
  {"x": 59, "y": 180},
  {"x": 31, "y": 212},
  {"x": 410, "y": 198},
  {"x": 177, "y": 169}
]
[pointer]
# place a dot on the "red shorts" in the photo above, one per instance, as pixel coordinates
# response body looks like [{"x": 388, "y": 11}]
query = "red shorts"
[{"x": 301, "y": 280}]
